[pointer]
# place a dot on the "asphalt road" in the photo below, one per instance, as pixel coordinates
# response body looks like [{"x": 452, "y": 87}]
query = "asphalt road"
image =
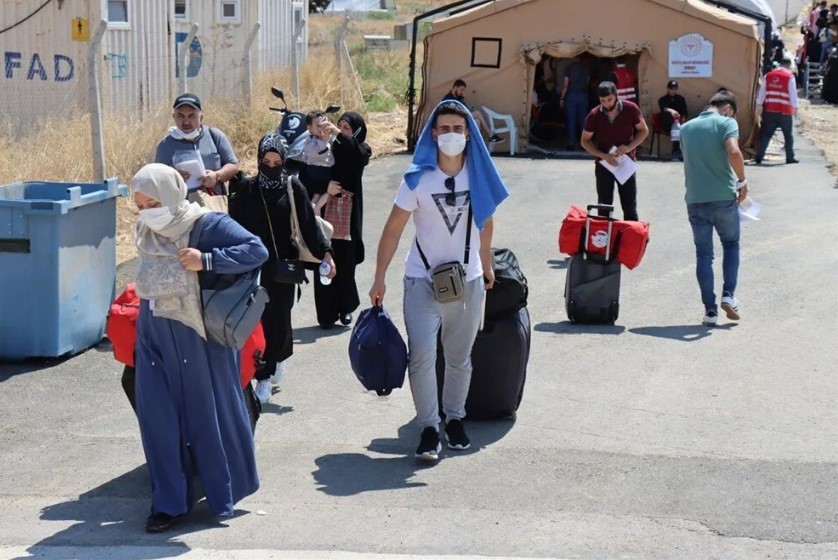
[{"x": 654, "y": 438}]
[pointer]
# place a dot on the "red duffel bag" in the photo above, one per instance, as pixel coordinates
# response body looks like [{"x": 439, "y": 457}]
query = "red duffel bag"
[
  {"x": 628, "y": 238},
  {"x": 632, "y": 238},
  {"x": 122, "y": 332},
  {"x": 122, "y": 325},
  {"x": 252, "y": 352}
]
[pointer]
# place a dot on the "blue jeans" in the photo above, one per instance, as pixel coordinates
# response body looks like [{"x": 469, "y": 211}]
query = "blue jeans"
[
  {"x": 576, "y": 106},
  {"x": 724, "y": 217}
]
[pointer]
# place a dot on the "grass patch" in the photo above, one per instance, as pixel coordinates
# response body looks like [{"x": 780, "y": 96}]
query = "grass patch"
[{"x": 380, "y": 15}]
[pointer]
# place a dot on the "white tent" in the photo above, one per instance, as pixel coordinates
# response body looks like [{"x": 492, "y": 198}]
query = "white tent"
[{"x": 756, "y": 6}]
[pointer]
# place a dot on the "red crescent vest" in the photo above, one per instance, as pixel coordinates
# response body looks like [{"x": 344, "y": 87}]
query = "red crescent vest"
[
  {"x": 626, "y": 84},
  {"x": 777, "y": 92}
]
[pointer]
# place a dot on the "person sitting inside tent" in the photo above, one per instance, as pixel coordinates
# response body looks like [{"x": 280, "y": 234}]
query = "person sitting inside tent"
[
  {"x": 673, "y": 113},
  {"x": 457, "y": 93}
]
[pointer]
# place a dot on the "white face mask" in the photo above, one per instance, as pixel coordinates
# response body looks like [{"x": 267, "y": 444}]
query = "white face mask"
[
  {"x": 157, "y": 218},
  {"x": 451, "y": 143},
  {"x": 178, "y": 134}
]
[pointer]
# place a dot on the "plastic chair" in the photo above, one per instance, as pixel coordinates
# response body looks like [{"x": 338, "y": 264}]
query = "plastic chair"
[
  {"x": 656, "y": 133},
  {"x": 509, "y": 127}
]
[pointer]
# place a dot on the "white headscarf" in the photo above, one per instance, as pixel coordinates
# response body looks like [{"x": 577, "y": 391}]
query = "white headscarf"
[{"x": 174, "y": 290}]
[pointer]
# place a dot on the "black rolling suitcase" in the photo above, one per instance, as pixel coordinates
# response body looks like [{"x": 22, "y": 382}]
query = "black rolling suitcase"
[
  {"x": 592, "y": 284},
  {"x": 499, "y": 367}
]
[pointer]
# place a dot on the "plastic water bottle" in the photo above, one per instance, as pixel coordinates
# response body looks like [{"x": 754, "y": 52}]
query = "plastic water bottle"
[
  {"x": 325, "y": 269},
  {"x": 675, "y": 132}
]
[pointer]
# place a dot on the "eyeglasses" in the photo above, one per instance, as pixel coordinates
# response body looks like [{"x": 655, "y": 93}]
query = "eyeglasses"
[{"x": 450, "y": 198}]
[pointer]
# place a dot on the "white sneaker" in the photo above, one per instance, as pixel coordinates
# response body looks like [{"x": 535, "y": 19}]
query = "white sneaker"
[
  {"x": 731, "y": 307},
  {"x": 279, "y": 374},
  {"x": 264, "y": 389},
  {"x": 710, "y": 318}
]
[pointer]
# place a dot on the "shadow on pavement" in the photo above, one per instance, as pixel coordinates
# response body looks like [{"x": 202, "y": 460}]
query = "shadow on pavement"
[
  {"x": 310, "y": 335},
  {"x": 11, "y": 369},
  {"x": 349, "y": 474},
  {"x": 112, "y": 515},
  {"x": 559, "y": 265},
  {"x": 684, "y": 333},
  {"x": 273, "y": 408},
  {"x": 566, "y": 327}
]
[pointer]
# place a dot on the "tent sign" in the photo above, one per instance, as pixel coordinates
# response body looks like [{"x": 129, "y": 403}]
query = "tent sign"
[{"x": 690, "y": 56}]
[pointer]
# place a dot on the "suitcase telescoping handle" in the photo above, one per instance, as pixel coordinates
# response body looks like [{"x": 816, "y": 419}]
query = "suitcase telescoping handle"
[{"x": 606, "y": 208}]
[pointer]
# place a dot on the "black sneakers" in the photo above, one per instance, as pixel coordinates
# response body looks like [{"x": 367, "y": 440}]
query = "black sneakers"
[
  {"x": 456, "y": 434},
  {"x": 161, "y": 522},
  {"x": 494, "y": 139},
  {"x": 429, "y": 446}
]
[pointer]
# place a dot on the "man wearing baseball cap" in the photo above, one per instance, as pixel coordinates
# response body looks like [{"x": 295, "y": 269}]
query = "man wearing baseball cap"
[
  {"x": 673, "y": 110},
  {"x": 190, "y": 139}
]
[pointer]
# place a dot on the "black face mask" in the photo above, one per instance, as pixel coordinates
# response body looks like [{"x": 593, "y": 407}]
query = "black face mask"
[{"x": 272, "y": 173}]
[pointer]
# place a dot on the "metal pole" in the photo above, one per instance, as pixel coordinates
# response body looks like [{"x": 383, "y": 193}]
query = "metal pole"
[
  {"x": 95, "y": 103},
  {"x": 338, "y": 42},
  {"x": 355, "y": 78},
  {"x": 295, "y": 64},
  {"x": 184, "y": 58},
  {"x": 786, "y": 20},
  {"x": 246, "y": 63}
]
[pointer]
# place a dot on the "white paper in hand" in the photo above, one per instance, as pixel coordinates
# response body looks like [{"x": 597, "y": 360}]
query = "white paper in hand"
[
  {"x": 749, "y": 210},
  {"x": 190, "y": 162},
  {"x": 625, "y": 168}
]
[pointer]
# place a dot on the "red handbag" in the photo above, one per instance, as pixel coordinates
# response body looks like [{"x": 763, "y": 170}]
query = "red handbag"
[{"x": 339, "y": 213}]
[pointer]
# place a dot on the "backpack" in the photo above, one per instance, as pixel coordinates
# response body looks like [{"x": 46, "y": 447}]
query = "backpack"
[
  {"x": 377, "y": 352},
  {"x": 232, "y": 305},
  {"x": 510, "y": 291}
]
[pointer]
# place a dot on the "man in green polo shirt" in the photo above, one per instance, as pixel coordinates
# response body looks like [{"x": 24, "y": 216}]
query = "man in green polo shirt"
[{"x": 715, "y": 178}]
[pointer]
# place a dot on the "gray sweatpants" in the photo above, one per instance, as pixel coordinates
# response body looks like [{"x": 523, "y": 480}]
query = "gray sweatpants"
[{"x": 424, "y": 317}]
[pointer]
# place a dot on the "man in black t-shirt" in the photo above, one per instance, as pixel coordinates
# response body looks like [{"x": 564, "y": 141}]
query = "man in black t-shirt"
[{"x": 673, "y": 109}]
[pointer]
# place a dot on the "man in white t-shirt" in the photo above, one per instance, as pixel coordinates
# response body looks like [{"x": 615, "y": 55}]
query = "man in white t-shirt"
[{"x": 441, "y": 206}]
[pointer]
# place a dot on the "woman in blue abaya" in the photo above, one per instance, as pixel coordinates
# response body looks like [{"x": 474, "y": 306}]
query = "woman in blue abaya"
[{"x": 192, "y": 416}]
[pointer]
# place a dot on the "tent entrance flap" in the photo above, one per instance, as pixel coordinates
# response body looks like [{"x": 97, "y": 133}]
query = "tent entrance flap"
[{"x": 569, "y": 49}]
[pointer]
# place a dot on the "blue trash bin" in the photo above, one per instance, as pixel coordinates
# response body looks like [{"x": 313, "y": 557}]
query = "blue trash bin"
[{"x": 57, "y": 266}]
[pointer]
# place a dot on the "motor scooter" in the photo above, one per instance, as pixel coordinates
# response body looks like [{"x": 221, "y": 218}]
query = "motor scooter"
[{"x": 292, "y": 125}]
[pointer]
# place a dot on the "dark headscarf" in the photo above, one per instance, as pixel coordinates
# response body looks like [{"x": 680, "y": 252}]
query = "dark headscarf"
[
  {"x": 357, "y": 124},
  {"x": 272, "y": 142},
  {"x": 359, "y": 133}
]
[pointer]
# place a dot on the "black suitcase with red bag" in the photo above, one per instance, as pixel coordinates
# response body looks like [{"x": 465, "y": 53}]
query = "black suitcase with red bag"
[{"x": 592, "y": 284}]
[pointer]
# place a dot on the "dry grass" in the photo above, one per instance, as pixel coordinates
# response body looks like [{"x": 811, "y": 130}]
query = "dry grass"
[{"x": 60, "y": 149}]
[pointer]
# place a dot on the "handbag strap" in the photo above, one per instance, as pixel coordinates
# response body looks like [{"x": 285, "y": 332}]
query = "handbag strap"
[
  {"x": 295, "y": 220},
  {"x": 268, "y": 216},
  {"x": 195, "y": 233},
  {"x": 467, "y": 250}
]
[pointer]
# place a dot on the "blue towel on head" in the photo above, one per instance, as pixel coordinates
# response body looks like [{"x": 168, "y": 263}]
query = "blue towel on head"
[{"x": 486, "y": 187}]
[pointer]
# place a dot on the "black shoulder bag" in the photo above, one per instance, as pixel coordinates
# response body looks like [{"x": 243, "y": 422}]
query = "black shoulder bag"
[{"x": 449, "y": 279}]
